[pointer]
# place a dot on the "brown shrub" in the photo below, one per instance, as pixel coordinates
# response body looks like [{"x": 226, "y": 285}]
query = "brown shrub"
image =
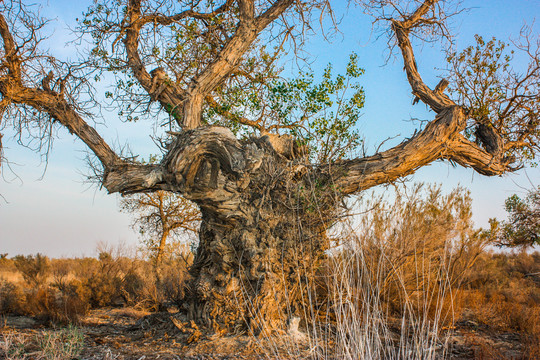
[
  {"x": 152, "y": 289},
  {"x": 76, "y": 285},
  {"x": 171, "y": 278},
  {"x": 12, "y": 299},
  {"x": 104, "y": 290},
  {"x": 140, "y": 288},
  {"x": 413, "y": 252},
  {"x": 51, "y": 305},
  {"x": 111, "y": 280},
  {"x": 45, "y": 303},
  {"x": 34, "y": 269},
  {"x": 502, "y": 293},
  {"x": 132, "y": 287}
]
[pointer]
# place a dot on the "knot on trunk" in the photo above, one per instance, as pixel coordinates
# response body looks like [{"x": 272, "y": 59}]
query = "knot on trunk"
[
  {"x": 200, "y": 154},
  {"x": 490, "y": 140}
]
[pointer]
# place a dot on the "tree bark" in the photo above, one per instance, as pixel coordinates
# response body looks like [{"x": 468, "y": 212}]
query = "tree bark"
[
  {"x": 254, "y": 274},
  {"x": 263, "y": 231},
  {"x": 161, "y": 246}
]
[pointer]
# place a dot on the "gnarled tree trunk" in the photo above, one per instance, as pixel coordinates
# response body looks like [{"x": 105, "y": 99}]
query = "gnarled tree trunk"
[
  {"x": 253, "y": 275},
  {"x": 263, "y": 229}
]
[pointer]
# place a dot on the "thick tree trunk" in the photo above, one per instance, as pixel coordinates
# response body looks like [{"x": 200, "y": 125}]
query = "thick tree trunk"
[
  {"x": 266, "y": 211},
  {"x": 255, "y": 273},
  {"x": 263, "y": 231}
]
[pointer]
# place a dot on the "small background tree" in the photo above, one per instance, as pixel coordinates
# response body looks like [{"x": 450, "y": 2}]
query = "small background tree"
[
  {"x": 165, "y": 220},
  {"x": 34, "y": 269},
  {"x": 523, "y": 226}
]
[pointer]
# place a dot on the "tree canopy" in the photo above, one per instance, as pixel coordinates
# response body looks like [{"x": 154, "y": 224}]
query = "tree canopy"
[{"x": 215, "y": 63}]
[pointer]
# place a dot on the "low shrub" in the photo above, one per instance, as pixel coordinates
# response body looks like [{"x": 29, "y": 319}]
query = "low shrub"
[
  {"x": 104, "y": 290},
  {"x": 171, "y": 279},
  {"x": 12, "y": 299},
  {"x": 34, "y": 269},
  {"x": 49, "y": 305},
  {"x": 501, "y": 291}
]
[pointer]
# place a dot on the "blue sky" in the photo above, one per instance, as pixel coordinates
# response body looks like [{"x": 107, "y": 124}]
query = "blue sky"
[{"x": 60, "y": 215}]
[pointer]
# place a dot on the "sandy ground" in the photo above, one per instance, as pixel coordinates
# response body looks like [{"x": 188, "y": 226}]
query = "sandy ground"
[{"x": 124, "y": 333}]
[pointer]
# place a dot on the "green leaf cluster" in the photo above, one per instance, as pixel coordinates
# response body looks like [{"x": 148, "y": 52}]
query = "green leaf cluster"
[
  {"x": 523, "y": 225},
  {"x": 320, "y": 114},
  {"x": 496, "y": 93}
]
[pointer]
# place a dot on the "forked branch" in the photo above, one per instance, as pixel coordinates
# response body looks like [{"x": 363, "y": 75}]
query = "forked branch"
[
  {"x": 55, "y": 105},
  {"x": 441, "y": 139},
  {"x": 436, "y": 100},
  {"x": 186, "y": 104}
]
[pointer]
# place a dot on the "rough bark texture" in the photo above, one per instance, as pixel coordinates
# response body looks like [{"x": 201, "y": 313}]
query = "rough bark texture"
[
  {"x": 253, "y": 272},
  {"x": 263, "y": 228}
]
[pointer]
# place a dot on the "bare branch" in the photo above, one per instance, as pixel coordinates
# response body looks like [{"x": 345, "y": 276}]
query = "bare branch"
[
  {"x": 352, "y": 176},
  {"x": 12, "y": 62},
  {"x": 221, "y": 41},
  {"x": 436, "y": 100},
  {"x": 468, "y": 154},
  {"x": 227, "y": 59},
  {"x": 171, "y": 97},
  {"x": 443, "y": 137},
  {"x": 185, "y": 104},
  {"x": 440, "y": 140},
  {"x": 168, "y": 20},
  {"x": 48, "y": 101}
]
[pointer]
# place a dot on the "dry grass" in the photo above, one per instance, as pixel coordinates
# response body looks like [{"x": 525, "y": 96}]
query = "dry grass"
[
  {"x": 365, "y": 319},
  {"x": 12, "y": 276},
  {"x": 59, "y": 344}
]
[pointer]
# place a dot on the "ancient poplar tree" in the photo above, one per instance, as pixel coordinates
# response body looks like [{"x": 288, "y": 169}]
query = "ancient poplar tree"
[{"x": 248, "y": 161}]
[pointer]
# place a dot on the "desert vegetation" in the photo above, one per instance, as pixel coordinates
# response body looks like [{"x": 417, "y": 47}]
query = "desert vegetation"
[
  {"x": 409, "y": 278},
  {"x": 270, "y": 162}
]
